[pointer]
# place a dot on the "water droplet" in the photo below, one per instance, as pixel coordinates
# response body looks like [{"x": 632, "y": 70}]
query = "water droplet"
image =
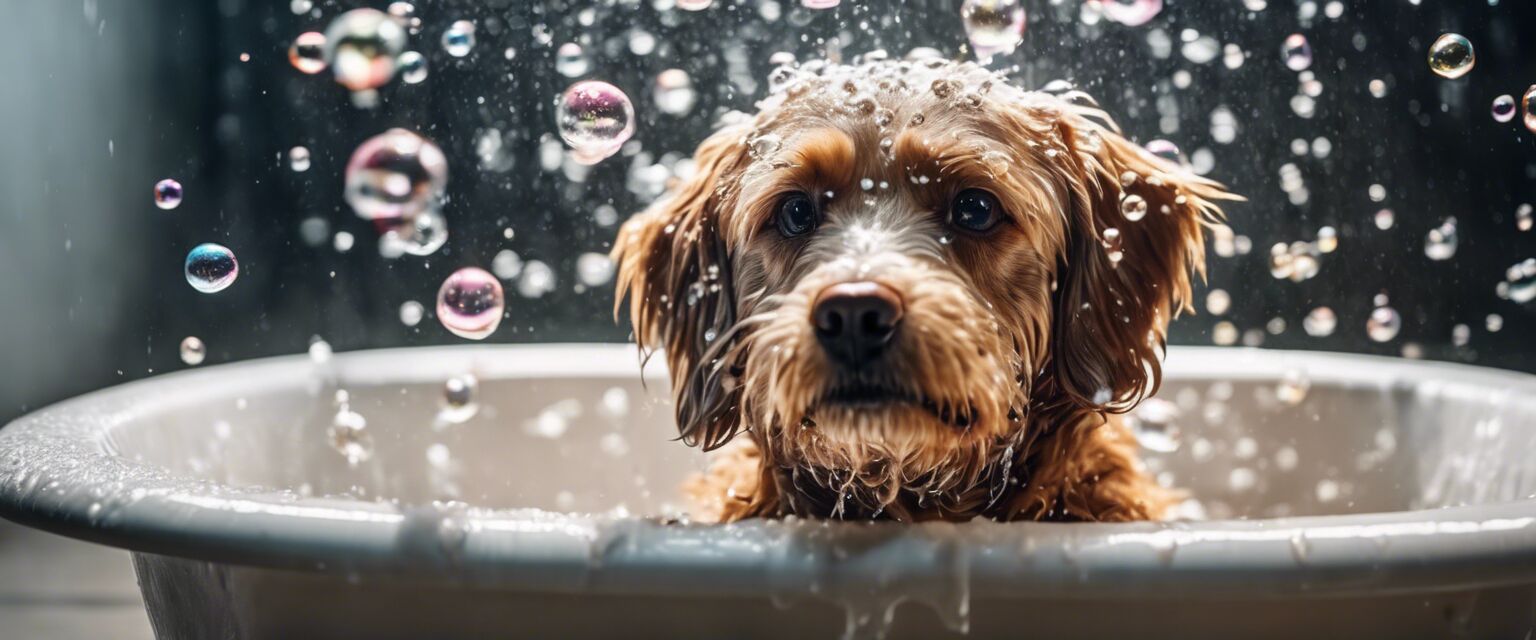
[
  {"x": 1327, "y": 239},
  {"x": 594, "y": 269},
  {"x": 1440, "y": 242},
  {"x": 1296, "y": 52},
  {"x": 1383, "y": 324},
  {"x": 193, "y": 351},
  {"x": 1218, "y": 301},
  {"x": 460, "y": 399},
  {"x": 1131, "y": 13},
  {"x": 395, "y": 175},
  {"x": 320, "y": 351},
  {"x": 1384, "y": 219},
  {"x": 470, "y": 303},
  {"x": 459, "y": 38},
  {"x": 168, "y": 194},
  {"x": 1168, "y": 151},
  {"x": 1242, "y": 479},
  {"x": 673, "y": 93},
  {"x": 1327, "y": 490},
  {"x": 1154, "y": 422},
  {"x": 1224, "y": 333},
  {"x": 361, "y": 46},
  {"x": 1293, "y": 387},
  {"x": 1320, "y": 322},
  {"x": 506, "y": 265},
  {"x": 349, "y": 435},
  {"x": 298, "y": 159},
  {"x": 1504, "y": 108},
  {"x": 1111, "y": 242},
  {"x": 1133, "y": 207},
  {"x": 571, "y": 61},
  {"x": 411, "y": 312},
  {"x": 1451, "y": 56},
  {"x": 211, "y": 267},
  {"x": 595, "y": 118},
  {"x": 307, "y": 53},
  {"x": 1523, "y": 218},
  {"x": 413, "y": 67},
  {"x": 1519, "y": 283},
  {"x": 995, "y": 27},
  {"x": 764, "y": 146}
]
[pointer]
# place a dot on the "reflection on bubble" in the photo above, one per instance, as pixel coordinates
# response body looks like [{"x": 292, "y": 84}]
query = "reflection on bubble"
[
  {"x": 459, "y": 39},
  {"x": 396, "y": 174},
  {"x": 193, "y": 351},
  {"x": 1296, "y": 52},
  {"x": 595, "y": 118},
  {"x": 167, "y": 194},
  {"x": 307, "y": 53},
  {"x": 1383, "y": 324},
  {"x": 361, "y": 46},
  {"x": 1451, "y": 56},
  {"x": 1504, "y": 108}
]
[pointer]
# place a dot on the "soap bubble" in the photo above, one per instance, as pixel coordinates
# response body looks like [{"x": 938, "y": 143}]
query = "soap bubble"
[
  {"x": 1519, "y": 283},
  {"x": 459, "y": 39},
  {"x": 211, "y": 267},
  {"x": 595, "y": 118},
  {"x": 193, "y": 351},
  {"x": 1133, "y": 207},
  {"x": 594, "y": 269},
  {"x": 396, "y": 174},
  {"x": 819, "y": 4},
  {"x": 411, "y": 312},
  {"x": 995, "y": 27},
  {"x": 1218, "y": 301},
  {"x": 694, "y": 5},
  {"x": 1112, "y": 245},
  {"x": 1320, "y": 322},
  {"x": 1383, "y": 324},
  {"x": 1504, "y": 108},
  {"x": 413, "y": 67},
  {"x": 1384, "y": 219},
  {"x": 470, "y": 303},
  {"x": 459, "y": 401},
  {"x": 1131, "y": 13},
  {"x": 1167, "y": 150},
  {"x": 571, "y": 61},
  {"x": 307, "y": 53},
  {"x": 361, "y": 46},
  {"x": 1296, "y": 52},
  {"x": 1440, "y": 242},
  {"x": 405, "y": 14},
  {"x": 673, "y": 93},
  {"x": 1528, "y": 108},
  {"x": 1451, "y": 56},
  {"x": 168, "y": 194}
]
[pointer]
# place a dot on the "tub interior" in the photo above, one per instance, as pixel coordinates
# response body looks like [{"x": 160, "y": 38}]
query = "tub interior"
[{"x": 606, "y": 442}]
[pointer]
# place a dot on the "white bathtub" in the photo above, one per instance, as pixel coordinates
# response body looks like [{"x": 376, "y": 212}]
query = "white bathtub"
[{"x": 1393, "y": 501}]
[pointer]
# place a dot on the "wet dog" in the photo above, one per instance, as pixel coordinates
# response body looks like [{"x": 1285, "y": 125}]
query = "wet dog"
[{"x": 909, "y": 290}]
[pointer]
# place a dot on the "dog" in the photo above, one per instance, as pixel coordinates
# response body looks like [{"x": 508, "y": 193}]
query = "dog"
[{"x": 908, "y": 290}]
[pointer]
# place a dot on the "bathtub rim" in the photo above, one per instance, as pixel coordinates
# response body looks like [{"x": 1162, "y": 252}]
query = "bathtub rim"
[{"x": 1338, "y": 555}]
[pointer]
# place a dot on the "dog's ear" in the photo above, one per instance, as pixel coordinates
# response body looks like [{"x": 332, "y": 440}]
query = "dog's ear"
[
  {"x": 1135, "y": 236},
  {"x": 676, "y": 269}
]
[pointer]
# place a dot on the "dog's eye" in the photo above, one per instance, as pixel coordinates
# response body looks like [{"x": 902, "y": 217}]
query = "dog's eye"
[
  {"x": 797, "y": 215},
  {"x": 975, "y": 210}
]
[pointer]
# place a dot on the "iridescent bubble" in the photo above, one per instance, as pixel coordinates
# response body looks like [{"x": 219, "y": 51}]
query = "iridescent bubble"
[
  {"x": 673, "y": 92},
  {"x": 168, "y": 194},
  {"x": 470, "y": 303},
  {"x": 211, "y": 267},
  {"x": 1440, "y": 242},
  {"x": 395, "y": 175},
  {"x": 413, "y": 67},
  {"x": 595, "y": 118},
  {"x": 1320, "y": 322},
  {"x": 1296, "y": 52},
  {"x": 1528, "y": 108},
  {"x": 1133, "y": 207},
  {"x": 361, "y": 46},
  {"x": 307, "y": 53},
  {"x": 1451, "y": 56},
  {"x": 459, "y": 39},
  {"x": 1131, "y": 13},
  {"x": 1504, "y": 108},
  {"x": 571, "y": 61},
  {"x": 1383, "y": 324},
  {"x": 298, "y": 159},
  {"x": 995, "y": 27},
  {"x": 193, "y": 351},
  {"x": 459, "y": 401}
]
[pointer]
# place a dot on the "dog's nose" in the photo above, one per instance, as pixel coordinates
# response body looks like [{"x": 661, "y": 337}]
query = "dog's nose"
[{"x": 856, "y": 320}]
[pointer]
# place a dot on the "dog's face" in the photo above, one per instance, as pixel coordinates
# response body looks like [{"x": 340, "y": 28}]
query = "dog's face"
[{"x": 893, "y": 267}]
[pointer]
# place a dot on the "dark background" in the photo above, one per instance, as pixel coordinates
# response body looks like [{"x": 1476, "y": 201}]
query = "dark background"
[{"x": 102, "y": 100}]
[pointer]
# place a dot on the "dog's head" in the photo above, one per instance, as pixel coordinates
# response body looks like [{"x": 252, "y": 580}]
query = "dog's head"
[{"x": 893, "y": 267}]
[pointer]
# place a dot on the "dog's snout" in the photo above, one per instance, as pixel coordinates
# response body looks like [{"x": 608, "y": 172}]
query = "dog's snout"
[{"x": 856, "y": 320}]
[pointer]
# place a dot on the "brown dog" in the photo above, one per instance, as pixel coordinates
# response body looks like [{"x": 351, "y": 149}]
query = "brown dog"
[{"x": 921, "y": 293}]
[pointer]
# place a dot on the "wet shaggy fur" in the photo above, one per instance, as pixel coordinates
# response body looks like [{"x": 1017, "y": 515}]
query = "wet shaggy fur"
[{"x": 1018, "y": 348}]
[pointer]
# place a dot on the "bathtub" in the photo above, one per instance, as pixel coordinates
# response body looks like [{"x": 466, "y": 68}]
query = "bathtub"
[{"x": 1392, "y": 499}]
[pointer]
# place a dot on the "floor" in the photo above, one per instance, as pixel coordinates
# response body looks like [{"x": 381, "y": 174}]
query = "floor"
[{"x": 55, "y": 588}]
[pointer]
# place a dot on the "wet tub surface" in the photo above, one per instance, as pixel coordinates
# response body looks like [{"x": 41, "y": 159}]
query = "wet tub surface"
[{"x": 1331, "y": 492}]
